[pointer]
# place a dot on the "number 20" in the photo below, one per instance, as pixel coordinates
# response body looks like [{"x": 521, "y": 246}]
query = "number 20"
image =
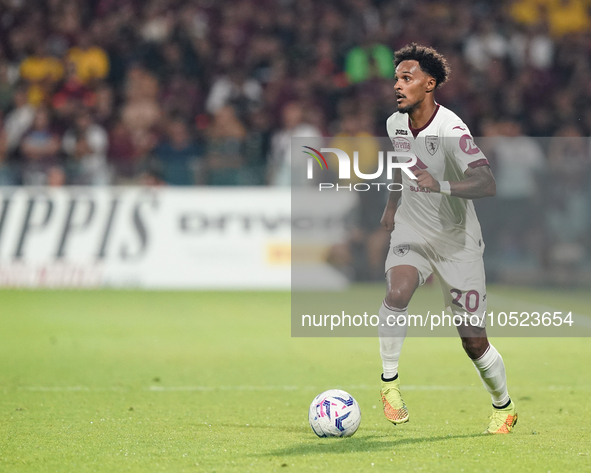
[{"x": 470, "y": 307}]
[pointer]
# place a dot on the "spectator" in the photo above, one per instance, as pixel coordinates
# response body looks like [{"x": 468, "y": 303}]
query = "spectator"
[
  {"x": 368, "y": 61},
  {"x": 563, "y": 16},
  {"x": 236, "y": 89},
  {"x": 257, "y": 145},
  {"x": 519, "y": 162},
  {"x": 518, "y": 159},
  {"x": 6, "y": 176},
  {"x": 72, "y": 95},
  {"x": 177, "y": 156},
  {"x": 485, "y": 45},
  {"x": 181, "y": 97},
  {"x": 141, "y": 111},
  {"x": 40, "y": 149},
  {"x": 141, "y": 114},
  {"x": 568, "y": 177},
  {"x": 42, "y": 72},
  {"x": 7, "y": 86},
  {"x": 17, "y": 121},
  {"x": 86, "y": 145},
  {"x": 532, "y": 47},
  {"x": 152, "y": 177},
  {"x": 91, "y": 61},
  {"x": 158, "y": 22},
  {"x": 224, "y": 148},
  {"x": 174, "y": 59},
  {"x": 123, "y": 154},
  {"x": 104, "y": 103},
  {"x": 294, "y": 126},
  {"x": 56, "y": 176},
  {"x": 568, "y": 16}
]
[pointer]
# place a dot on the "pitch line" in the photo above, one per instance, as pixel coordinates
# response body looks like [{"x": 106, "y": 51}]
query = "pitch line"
[
  {"x": 71, "y": 389},
  {"x": 361, "y": 387}
]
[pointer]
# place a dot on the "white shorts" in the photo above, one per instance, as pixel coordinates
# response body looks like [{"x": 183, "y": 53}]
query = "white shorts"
[{"x": 463, "y": 283}]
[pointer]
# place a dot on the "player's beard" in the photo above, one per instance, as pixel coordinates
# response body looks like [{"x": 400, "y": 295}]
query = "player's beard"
[{"x": 409, "y": 108}]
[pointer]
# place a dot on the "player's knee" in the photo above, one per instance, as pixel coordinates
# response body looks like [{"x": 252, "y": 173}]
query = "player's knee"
[
  {"x": 398, "y": 298},
  {"x": 474, "y": 346}
]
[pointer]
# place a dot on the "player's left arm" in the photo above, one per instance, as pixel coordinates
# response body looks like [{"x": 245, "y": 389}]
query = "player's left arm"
[{"x": 479, "y": 183}]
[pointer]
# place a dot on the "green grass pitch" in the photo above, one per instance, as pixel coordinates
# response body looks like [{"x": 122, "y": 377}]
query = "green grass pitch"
[{"x": 212, "y": 381}]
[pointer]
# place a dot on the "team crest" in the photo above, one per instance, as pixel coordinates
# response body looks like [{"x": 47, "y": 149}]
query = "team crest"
[
  {"x": 432, "y": 143},
  {"x": 401, "y": 250}
]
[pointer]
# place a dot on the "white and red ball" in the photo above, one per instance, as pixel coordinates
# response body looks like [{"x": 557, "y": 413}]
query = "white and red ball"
[{"x": 334, "y": 413}]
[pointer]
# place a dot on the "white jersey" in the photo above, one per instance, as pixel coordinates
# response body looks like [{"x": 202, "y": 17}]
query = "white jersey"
[{"x": 445, "y": 148}]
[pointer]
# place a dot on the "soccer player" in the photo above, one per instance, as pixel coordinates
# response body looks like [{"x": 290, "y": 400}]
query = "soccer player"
[{"x": 435, "y": 228}]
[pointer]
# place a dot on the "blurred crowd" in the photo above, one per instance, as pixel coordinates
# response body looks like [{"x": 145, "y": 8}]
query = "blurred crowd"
[
  {"x": 210, "y": 92},
  {"x": 205, "y": 92}
]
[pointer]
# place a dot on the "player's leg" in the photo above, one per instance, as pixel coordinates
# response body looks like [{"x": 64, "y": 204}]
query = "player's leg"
[
  {"x": 491, "y": 368},
  {"x": 402, "y": 282},
  {"x": 488, "y": 363},
  {"x": 406, "y": 269},
  {"x": 464, "y": 290}
]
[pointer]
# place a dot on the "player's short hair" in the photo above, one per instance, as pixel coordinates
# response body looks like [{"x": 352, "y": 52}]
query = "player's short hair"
[{"x": 430, "y": 61}]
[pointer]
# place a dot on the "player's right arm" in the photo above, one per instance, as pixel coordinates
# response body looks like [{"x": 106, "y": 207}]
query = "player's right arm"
[{"x": 387, "y": 220}]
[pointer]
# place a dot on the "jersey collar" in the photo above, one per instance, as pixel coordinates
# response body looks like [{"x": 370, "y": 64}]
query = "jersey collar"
[{"x": 416, "y": 131}]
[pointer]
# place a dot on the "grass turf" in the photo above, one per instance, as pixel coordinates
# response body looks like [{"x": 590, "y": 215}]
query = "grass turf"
[{"x": 213, "y": 381}]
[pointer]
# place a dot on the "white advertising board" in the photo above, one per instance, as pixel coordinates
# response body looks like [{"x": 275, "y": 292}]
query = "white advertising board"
[{"x": 152, "y": 238}]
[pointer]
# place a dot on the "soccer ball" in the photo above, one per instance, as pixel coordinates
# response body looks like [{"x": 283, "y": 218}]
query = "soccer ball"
[{"x": 334, "y": 413}]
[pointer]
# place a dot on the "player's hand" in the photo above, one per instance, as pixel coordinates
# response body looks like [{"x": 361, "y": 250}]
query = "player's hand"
[
  {"x": 426, "y": 181},
  {"x": 387, "y": 220}
]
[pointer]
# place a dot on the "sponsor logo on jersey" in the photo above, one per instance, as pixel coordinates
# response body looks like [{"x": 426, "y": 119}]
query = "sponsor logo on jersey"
[
  {"x": 467, "y": 145},
  {"x": 401, "y": 132},
  {"x": 401, "y": 144},
  {"x": 419, "y": 189},
  {"x": 432, "y": 143},
  {"x": 401, "y": 250}
]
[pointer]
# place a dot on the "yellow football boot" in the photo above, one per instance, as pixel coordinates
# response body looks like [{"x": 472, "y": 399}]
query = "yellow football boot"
[
  {"x": 394, "y": 408},
  {"x": 503, "y": 420}
]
